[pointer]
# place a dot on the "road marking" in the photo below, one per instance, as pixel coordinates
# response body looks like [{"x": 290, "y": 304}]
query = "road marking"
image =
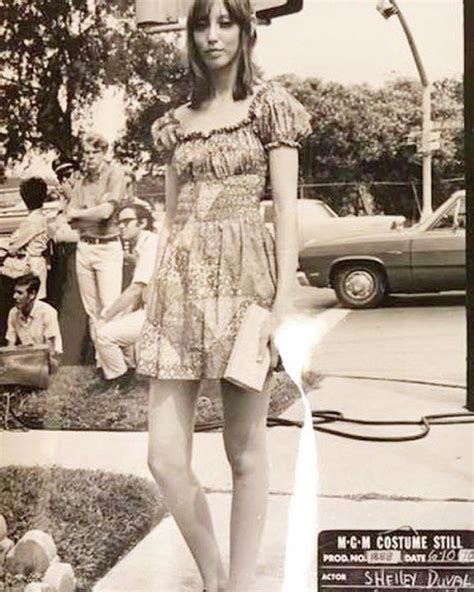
[
  {"x": 332, "y": 317},
  {"x": 296, "y": 340},
  {"x": 299, "y": 336}
]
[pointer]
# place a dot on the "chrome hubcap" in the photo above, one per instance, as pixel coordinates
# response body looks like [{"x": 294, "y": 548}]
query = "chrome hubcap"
[{"x": 359, "y": 285}]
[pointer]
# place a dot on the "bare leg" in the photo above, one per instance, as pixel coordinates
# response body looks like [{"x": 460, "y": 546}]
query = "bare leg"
[
  {"x": 171, "y": 424},
  {"x": 245, "y": 444}
]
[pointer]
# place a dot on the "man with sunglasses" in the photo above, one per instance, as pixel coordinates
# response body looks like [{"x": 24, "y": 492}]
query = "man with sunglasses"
[{"x": 120, "y": 324}]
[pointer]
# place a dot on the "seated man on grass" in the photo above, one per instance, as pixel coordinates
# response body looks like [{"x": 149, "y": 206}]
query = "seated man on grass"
[
  {"x": 120, "y": 324},
  {"x": 32, "y": 321}
]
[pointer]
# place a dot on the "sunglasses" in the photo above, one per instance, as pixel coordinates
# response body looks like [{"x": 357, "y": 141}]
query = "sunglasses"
[{"x": 125, "y": 221}]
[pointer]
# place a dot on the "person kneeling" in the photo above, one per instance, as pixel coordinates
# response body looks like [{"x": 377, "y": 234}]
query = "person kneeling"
[
  {"x": 32, "y": 321},
  {"x": 120, "y": 324}
]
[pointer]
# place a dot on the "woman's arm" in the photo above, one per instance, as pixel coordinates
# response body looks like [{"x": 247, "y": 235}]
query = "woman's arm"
[
  {"x": 171, "y": 195},
  {"x": 284, "y": 179},
  {"x": 284, "y": 182}
]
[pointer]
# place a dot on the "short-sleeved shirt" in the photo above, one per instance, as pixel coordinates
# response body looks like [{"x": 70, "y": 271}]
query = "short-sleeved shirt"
[
  {"x": 31, "y": 235},
  {"x": 40, "y": 326},
  {"x": 31, "y": 238},
  {"x": 145, "y": 249},
  {"x": 108, "y": 186}
]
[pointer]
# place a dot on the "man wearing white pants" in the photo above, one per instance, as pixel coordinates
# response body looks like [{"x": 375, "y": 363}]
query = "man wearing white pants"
[
  {"x": 120, "y": 324},
  {"x": 92, "y": 202}
]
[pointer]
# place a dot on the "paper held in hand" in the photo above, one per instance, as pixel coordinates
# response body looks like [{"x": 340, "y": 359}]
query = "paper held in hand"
[{"x": 242, "y": 367}]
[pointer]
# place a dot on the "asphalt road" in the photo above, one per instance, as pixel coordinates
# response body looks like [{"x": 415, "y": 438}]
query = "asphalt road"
[{"x": 421, "y": 337}]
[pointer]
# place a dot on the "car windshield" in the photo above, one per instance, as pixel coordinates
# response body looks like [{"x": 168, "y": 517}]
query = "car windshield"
[
  {"x": 453, "y": 216},
  {"x": 323, "y": 210}
]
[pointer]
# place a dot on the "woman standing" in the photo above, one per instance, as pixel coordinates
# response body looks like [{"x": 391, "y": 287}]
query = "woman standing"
[{"x": 218, "y": 259}]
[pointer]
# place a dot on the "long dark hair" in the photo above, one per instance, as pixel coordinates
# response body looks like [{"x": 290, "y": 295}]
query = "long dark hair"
[{"x": 241, "y": 12}]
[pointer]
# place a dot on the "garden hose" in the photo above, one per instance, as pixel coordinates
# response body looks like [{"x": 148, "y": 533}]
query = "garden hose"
[
  {"x": 320, "y": 419},
  {"x": 323, "y": 417}
]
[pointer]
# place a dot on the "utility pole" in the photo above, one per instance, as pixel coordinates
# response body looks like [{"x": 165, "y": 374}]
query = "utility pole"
[
  {"x": 469, "y": 169},
  {"x": 387, "y": 8}
]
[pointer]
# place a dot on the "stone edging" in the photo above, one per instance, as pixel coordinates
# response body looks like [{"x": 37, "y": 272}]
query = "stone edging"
[{"x": 35, "y": 553}]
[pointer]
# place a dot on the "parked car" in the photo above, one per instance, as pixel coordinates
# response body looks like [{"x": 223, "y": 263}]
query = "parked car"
[
  {"x": 428, "y": 257},
  {"x": 318, "y": 222}
]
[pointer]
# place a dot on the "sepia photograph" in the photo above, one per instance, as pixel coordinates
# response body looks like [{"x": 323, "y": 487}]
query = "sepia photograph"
[{"x": 233, "y": 338}]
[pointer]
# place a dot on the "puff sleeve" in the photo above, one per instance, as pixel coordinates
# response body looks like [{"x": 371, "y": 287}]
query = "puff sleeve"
[
  {"x": 165, "y": 132},
  {"x": 280, "y": 119}
]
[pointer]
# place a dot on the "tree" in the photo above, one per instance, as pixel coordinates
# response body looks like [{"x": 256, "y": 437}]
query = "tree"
[
  {"x": 52, "y": 59},
  {"x": 448, "y": 113},
  {"x": 155, "y": 81},
  {"x": 359, "y": 135},
  {"x": 357, "y": 130},
  {"x": 57, "y": 58}
]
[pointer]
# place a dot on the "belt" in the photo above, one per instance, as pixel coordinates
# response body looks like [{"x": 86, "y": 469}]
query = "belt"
[{"x": 98, "y": 241}]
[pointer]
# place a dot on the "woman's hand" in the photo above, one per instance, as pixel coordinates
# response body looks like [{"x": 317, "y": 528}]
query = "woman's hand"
[
  {"x": 267, "y": 333},
  {"x": 169, "y": 136}
]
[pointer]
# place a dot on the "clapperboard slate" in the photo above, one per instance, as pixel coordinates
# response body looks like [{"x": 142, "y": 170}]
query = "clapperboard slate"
[{"x": 386, "y": 561}]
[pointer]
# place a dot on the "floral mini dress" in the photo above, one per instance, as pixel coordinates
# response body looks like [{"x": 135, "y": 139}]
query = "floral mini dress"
[{"x": 219, "y": 257}]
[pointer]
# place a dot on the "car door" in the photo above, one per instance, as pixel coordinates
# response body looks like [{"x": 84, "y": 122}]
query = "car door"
[{"x": 438, "y": 252}]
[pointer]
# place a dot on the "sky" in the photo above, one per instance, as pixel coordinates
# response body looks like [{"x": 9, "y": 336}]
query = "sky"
[
  {"x": 349, "y": 41},
  {"x": 346, "y": 41}
]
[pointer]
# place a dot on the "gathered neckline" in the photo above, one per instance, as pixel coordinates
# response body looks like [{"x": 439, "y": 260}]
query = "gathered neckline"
[{"x": 205, "y": 135}]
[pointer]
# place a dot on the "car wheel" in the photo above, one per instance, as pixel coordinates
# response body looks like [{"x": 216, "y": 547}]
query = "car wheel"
[{"x": 360, "y": 285}]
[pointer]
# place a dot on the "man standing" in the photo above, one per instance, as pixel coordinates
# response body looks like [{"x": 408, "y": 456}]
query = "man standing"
[
  {"x": 32, "y": 321},
  {"x": 121, "y": 323},
  {"x": 63, "y": 287},
  {"x": 93, "y": 200}
]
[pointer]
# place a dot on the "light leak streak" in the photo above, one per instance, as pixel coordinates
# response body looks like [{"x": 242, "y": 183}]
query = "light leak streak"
[{"x": 295, "y": 341}]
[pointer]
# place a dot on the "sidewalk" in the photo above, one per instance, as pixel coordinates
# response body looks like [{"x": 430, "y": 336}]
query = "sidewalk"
[
  {"x": 362, "y": 485},
  {"x": 423, "y": 484}
]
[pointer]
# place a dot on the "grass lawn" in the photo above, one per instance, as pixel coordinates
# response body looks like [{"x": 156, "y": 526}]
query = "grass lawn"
[
  {"x": 93, "y": 517},
  {"x": 78, "y": 399}
]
